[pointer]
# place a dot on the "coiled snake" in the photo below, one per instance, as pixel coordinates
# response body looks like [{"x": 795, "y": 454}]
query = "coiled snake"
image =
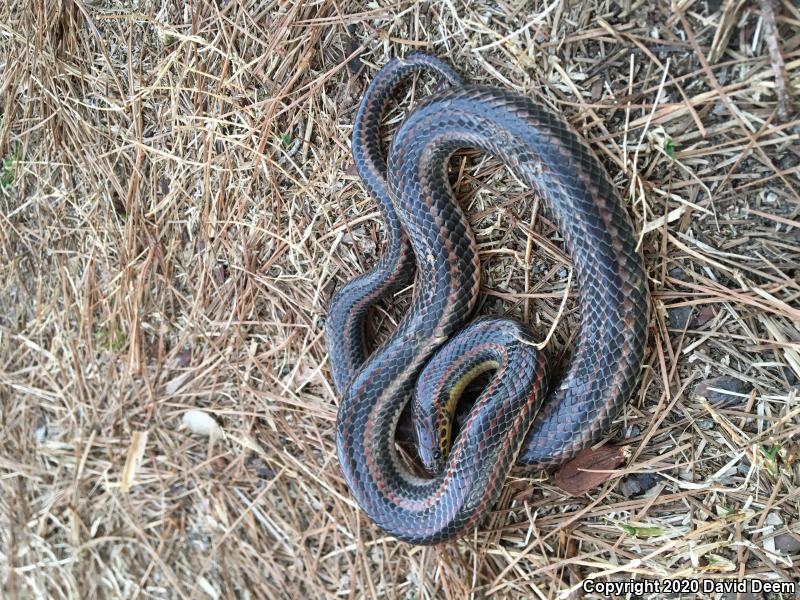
[{"x": 426, "y": 227}]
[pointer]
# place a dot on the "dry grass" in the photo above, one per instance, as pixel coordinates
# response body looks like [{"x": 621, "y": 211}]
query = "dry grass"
[{"x": 178, "y": 205}]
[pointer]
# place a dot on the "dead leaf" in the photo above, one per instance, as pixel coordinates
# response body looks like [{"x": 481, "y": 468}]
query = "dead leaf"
[
  {"x": 581, "y": 473},
  {"x": 703, "y": 316},
  {"x": 305, "y": 375},
  {"x": 720, "y": 390}
]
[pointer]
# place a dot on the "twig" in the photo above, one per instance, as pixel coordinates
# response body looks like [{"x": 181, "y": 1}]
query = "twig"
[{"x": 776, "y": 58}]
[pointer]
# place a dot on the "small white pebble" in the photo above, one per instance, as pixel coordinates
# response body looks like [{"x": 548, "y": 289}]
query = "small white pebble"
[{"x": 201, "y": 423}]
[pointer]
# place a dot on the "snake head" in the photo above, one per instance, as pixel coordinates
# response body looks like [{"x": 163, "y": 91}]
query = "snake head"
[
  {"x": 431, "y": 419},
  {"x": 438, "y": 391},
  {"x": 433, "y": 442}
]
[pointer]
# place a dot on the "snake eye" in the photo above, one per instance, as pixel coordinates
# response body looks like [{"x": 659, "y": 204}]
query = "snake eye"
[{"x": 437, "y": 455}]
